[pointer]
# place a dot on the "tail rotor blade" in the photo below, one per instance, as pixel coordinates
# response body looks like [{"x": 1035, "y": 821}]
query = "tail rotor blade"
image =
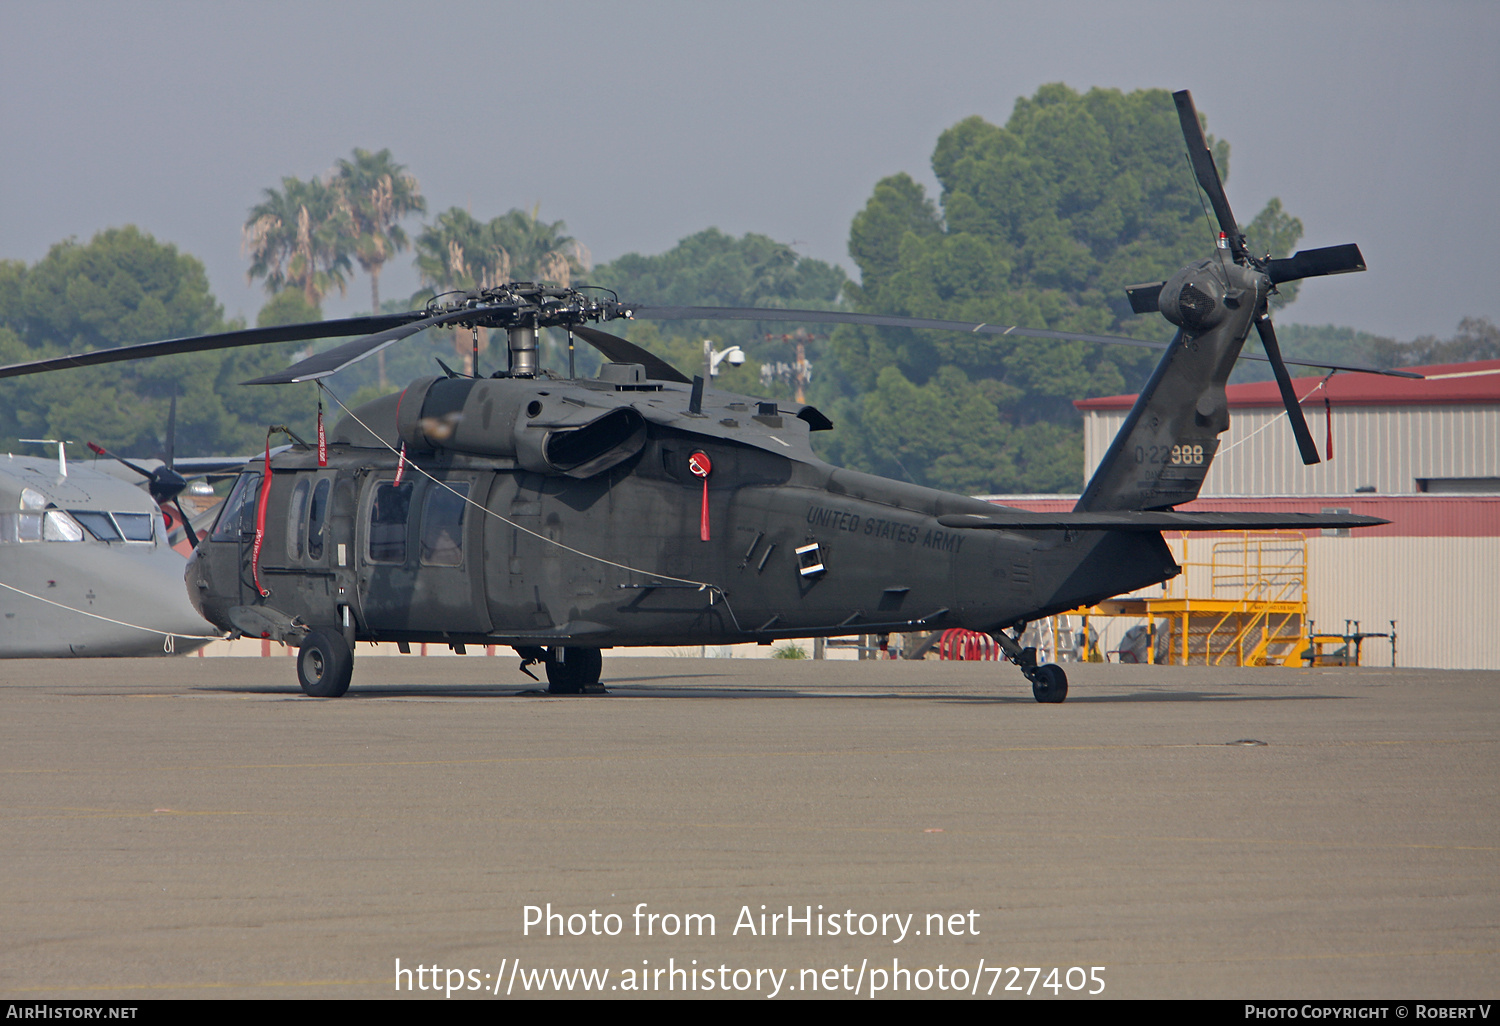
[
  {"x": 1313, "y": 263},
  {"x": 1206, "y": 171},
  {"x": 1305, "y": 444},
  {"x": 1145, "y": 298}
]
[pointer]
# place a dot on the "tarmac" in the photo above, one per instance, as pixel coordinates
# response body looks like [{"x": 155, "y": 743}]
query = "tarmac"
[{"x": 198, "y": 828}]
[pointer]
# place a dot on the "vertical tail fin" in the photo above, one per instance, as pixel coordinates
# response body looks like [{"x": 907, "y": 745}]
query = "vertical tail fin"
[{"x": 1164, "y": 449}]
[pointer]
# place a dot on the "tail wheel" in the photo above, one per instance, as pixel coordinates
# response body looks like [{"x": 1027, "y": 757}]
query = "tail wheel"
[
  {"x": 576, "y": 670},
  {"x": 1049, "y": 684},
  {"x": 324, "y": 663}
]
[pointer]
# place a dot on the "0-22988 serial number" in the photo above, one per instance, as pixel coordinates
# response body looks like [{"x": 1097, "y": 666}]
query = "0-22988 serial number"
[{"x": 1178, "y": 455}]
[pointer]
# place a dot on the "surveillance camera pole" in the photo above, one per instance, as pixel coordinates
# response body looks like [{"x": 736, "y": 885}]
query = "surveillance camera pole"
[{"x": 713, "y": 357}]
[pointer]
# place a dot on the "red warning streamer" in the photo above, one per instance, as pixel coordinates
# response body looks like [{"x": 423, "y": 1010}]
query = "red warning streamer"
[
  {"x": 1328, "y": 415},
  {"x": 700, "y": 465},
  {"x": 260, "y": 521},
  {"x": 322, "y": 437}
]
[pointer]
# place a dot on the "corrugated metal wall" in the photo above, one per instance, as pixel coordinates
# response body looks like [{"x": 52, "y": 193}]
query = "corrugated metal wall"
[
  {"x": 1440, "y": 591},
  {"x": 1389, "y": 447}
]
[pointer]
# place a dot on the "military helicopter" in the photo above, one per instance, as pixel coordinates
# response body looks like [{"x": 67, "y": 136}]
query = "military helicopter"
[{"x": 562, "y": 516}]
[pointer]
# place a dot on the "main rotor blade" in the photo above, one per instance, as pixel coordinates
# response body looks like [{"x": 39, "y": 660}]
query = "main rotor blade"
[
  {"x": 1305, "y": 444},
  {"x": 757, "y": 313},
  {"x": 1206, "y": 171},
  {"x": 740, "y": 313},
  {"x": 223, "y": 340},
  {"x": 330, "y": 361},
  {"x": 619, "y": 350},
  {"x": 1313, "y": 263}
]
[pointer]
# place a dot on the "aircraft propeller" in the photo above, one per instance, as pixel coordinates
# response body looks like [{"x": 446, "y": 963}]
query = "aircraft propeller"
[{"x": 164, "y": 482}]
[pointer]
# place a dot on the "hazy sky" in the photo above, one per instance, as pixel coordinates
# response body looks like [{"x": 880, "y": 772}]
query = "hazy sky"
[{"x": 640, "y": 123}]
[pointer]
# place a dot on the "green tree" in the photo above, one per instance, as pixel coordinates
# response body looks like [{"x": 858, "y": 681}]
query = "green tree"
[
  {"x": 1042, "y": 222},
  {"x": 1275, "y": 233},
  {"x": 1478, "y": 338},
  {"x": 125, "y": 287},
  {"x": 712, "y": 268},
  {"x": 459, "y": 252}
]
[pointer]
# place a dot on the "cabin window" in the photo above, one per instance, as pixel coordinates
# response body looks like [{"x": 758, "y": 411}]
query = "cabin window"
[
  {"x": 388, "y": 514},
  {"x": 443, "y": 524},
  {"x": 317, "y": 519},
  {"x": 296, "y": 526},
  {"x": 237, "y": 516}
]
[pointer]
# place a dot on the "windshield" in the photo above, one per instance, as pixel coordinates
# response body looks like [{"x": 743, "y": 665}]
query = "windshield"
[{"x": 237, "y": 516}]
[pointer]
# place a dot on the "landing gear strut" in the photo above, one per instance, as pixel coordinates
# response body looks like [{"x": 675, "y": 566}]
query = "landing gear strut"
[{"x": 1049, "y": 683}]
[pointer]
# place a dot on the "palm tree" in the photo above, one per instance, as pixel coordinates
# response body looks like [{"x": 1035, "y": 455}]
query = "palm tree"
[
  {"x": 459, "y": 252},
  {"x": 297, "y": 237},
  {"x": 539, "y": 251},
  {"x": 378, "y": 193}
]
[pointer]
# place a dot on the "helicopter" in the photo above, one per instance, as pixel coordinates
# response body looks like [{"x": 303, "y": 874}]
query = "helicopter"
[{"x": 565, "y": 515}]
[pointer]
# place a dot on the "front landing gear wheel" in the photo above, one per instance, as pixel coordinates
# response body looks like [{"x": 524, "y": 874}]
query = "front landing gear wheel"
[
  {"x": 1049, "y": 684},
  {"x": 572, "y": 671},
  {"x": 324, "y": 663}
]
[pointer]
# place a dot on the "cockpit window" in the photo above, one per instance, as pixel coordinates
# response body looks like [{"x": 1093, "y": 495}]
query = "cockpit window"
[
  {"x": 237, "y": 517},
  {"x": 135, "y": 527},
  {"x": 99, "y": 524},
  {"x": 113, "y": 527},
  {"x": 317, "y": 516},
  {"x": 59, "y": 527}
]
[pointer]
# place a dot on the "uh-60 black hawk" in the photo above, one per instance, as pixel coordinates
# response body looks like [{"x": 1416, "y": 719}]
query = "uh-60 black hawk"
[{"x": 563, "y": 516}]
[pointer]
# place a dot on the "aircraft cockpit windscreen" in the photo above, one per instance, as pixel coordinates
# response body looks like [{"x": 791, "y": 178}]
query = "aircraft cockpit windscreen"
[
  {"x": 112, "y": 527},
  {"x": 137, "y": 527},
  {"x": 237, "y": 516},
  {"x": 51, "y": 525}
]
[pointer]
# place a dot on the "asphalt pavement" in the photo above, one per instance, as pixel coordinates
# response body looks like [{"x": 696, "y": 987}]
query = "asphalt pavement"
[{"x": 197, "y": 828}]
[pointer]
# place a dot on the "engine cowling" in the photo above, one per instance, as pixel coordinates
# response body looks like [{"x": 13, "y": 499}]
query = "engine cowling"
[{"x": 1195, "y": 298}]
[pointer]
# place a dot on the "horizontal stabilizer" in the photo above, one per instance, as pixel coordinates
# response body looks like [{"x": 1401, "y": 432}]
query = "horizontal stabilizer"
[
  {"x": 1130, "y": 520},
  {"x": 1145, "y": 298}
]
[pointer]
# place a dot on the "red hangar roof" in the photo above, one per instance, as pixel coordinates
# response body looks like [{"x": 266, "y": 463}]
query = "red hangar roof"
[{"x": 1476, "y": 383}]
